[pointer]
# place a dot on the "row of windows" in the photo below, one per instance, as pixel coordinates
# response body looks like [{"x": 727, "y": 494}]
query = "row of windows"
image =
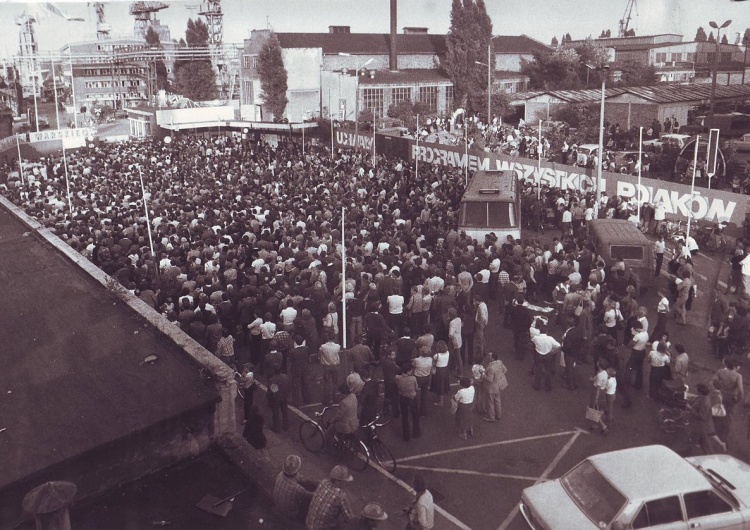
[
  {"x": 117, "y": 95},
  {"x": 98, "y": 72},
  {"x": 109, "y": 84},
  {"x": 375, "y": 97},
  {"x": 250, "y": 61},
  {"x": 688, "y": 57}
]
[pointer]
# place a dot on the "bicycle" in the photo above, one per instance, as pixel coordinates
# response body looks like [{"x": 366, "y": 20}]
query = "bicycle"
[
  {"x": 379, "y": 450},
  {"x": 354, "y": 452},
  {"x": 671, "y": 419}
]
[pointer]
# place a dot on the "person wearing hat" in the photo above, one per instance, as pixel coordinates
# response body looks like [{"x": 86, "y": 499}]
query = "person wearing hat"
[
  {"x": 372, "y": 515},
  {"x": 291, "y": 494},
  {"x": 330, "y": 506}
]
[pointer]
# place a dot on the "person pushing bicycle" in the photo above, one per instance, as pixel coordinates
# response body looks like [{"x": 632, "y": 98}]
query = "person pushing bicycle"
[{"x": 344, "y": 420}]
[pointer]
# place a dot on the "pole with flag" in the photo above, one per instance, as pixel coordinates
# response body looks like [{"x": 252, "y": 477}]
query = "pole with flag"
[
  {"x": 692, "y": 188},
  {"x": 466, "y": 137},
  {"x": 343, "y": 278},
  {"x": 20, "y": 162},
  {"x": 374, "y": 118}
]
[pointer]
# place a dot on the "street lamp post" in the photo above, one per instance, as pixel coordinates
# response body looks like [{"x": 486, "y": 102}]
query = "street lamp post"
[
  {"x": 605, "y": 70},
  {"x": 715, "y": 69},
  {"x": 489, "y": 82}
]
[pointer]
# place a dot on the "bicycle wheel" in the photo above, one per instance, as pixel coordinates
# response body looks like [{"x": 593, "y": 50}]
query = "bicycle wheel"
[
  {"x": 383, "y": 455},
  {"x": 355, "y": 454},
  {"x": 311, "y": 436},
  {"x": 668, "y": 425}
]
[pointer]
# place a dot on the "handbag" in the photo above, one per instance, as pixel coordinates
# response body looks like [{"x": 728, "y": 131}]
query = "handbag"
[
  {"x": 579, "y": 309},
  {"x": 594, "y": 414},
  {"x": 718, "y": 411}
]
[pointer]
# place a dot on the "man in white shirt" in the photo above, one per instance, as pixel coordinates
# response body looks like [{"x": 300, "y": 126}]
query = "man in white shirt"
[
  {"x": 637, "y": 353},
  {"x": 545, "y": 353},
  {"x": 745, "y": 263}
]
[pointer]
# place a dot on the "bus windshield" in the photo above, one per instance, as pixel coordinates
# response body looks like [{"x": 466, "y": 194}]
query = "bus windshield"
[{"x": 488, "y": 214}]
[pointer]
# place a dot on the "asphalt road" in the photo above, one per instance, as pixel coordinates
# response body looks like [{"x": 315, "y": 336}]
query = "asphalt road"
[{"x": 541, "y": 435}]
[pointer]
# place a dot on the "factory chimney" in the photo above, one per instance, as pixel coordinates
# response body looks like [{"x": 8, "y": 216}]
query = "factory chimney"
[{"x": 393, "y": 60}]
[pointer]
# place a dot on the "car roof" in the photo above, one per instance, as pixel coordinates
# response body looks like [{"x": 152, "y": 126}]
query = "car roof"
[
  {"x": 589, "y": 146},
  {"x": 675, "y": 135},
  {"x": 649, "y": 472}
]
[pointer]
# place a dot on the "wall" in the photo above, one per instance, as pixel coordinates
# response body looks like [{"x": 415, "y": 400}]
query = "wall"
[
  {"x": 510, "y": 62},
  {"x": 542, "y": 107},
  {"x": 303, "y": 82},
  {"x": 194, "y": 116},
  {"x": 630, "y": 114}
]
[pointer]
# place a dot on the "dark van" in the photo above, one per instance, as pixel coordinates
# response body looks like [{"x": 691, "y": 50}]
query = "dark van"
[{"x": 619, "y": 238}]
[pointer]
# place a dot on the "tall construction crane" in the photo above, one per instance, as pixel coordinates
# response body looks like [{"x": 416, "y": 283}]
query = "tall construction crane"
[
  {"x": 625, "y": 20},
  {"x": 102, "y": 28},
  {"x": 211, "y": 9},
  {"x": 142, "y": 12}
]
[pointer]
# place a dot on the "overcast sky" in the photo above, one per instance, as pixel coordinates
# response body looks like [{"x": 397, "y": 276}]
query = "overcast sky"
[{"x": 540, "y": 19}]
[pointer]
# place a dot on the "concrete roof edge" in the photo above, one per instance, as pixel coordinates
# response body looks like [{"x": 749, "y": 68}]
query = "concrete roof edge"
[{"x": 196, "y": 352}]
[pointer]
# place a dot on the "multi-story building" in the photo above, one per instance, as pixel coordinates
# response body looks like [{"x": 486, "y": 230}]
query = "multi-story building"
[
  {"x": 322, "y": 71},
  {"x": 105, "y": 72},
  {"x": 676, "y": 61}
]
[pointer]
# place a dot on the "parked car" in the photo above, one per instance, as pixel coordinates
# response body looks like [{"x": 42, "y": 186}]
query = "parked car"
[
  {"x": 741, "y": 144},
  {"x": 643, "y": 487},
  {"x": 585, "y": 151},
  {"x": 671, "y": 139}
]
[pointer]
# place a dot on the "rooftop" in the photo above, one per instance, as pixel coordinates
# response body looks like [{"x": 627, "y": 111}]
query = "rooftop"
[
  {"x": 74, "y": 376},
  {"x": 667, "y": 472}
]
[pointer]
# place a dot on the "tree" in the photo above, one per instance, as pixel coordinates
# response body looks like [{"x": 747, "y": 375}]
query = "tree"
[
  {"x": 592, "y": 54},
  {"x": 194, "y": 77},
  {"x": 711, "y": 37},
  {"x": 630, "y": 33},
  {"x": 700, "y": 35},
  {"x": 608, "y": 34},
  {"x": 724, "y": 39},
  {"x": 154, "y": 41},
  {"x": 634, "y": 73},
  {"x": 554, "y": 42},
  {"x": 603, "y": 34},
  {"x": 746, "y": 37},
  {"x": 469, "y": 36},
  {"x": 273, "y": 77},
  {"x": 568, "y": 38},
  {"x": 553, "y": 71}
]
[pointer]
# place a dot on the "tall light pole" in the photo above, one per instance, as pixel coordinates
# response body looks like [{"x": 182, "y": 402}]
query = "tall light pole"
[
  {"x": 605, "y": 70},
  {"x": 356, "y": 97},
  {"x": 488, "y": 64},
  {"x": 716, "y": 69}
]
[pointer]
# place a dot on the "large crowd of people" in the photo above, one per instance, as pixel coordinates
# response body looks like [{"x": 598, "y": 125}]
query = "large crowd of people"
[{"x": 245, "y": 255}]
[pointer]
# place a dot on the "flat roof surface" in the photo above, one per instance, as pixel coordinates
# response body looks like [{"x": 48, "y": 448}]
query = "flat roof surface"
[
  {"x": 617, "y": 230},
  {"x": 649, "y": 471},
  {"x": 504, "y": 181},
  {"x": 73, "y": 376}
]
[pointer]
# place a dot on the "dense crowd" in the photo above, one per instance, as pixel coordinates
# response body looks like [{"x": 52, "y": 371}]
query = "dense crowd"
[{"x": 245, "y": 255}]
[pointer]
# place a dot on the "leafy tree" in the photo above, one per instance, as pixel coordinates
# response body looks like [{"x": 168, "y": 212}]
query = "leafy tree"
[
  {"x": 608, "y": 34},
  {"x": 592, "y": 54},
  {"x": 724, "y": 39},
  {"x": 634, "y": 73},
  {"x": 554, "y": 42},
  {"x": 154, "y": 41},
  {"x": 584, "y": 118},
  {"x": 273, "y": 77},
  {"x": 553, "y": 71},
  {"x": 603, "y": 34},
  {"x": 711, "y": 37},
  {"x": 746, "y": 37},
  {"x": 568, "y": 38},
  {"x": 700, "y": 35},
  {"x": 630, "y": 33},
  {"x": 469, "y": 36},
  {"x": 195, "y": 78}
]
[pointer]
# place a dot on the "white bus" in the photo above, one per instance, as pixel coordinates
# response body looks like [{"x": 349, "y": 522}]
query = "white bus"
[{"x": 491, "y": 203}]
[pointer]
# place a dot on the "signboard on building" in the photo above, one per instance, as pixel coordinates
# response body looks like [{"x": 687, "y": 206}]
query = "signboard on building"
[{"x": 60, "y": 134}]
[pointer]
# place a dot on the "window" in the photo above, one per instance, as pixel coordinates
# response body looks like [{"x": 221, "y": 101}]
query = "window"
[
  {"x": 448, "y": 98},
  {"x": 428, "y": 95},
  {"x": 474, "y": 214},
  {"x": 703, "y": 503},
  {"x": 249, "y": 61},
  {"x": 488, "y": 214},
  {"x": 400, "y": 94},
  {"x": 593, "y": 493},
  {"x": 247, "y": 93},
  {"x": 661, "y": 57},
  {"x": 659, "y": 511},
  {"x": 373, "y": 98},
  {"x": 626, "y": 251}
]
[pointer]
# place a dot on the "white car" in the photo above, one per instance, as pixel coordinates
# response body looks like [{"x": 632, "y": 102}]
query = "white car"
[
  {"x": 677, "y": 141},
  {"x": 585, "y": 151},
  {"x": 741, "y": 144},
  {"x": 643, "y": 487}
]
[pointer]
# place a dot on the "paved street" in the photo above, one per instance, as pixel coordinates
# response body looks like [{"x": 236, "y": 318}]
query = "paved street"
[{"x": 540, "y": 435}]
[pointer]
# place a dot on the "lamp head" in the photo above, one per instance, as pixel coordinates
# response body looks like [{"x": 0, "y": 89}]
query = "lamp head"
[
  {"x": 713, "y": 25},
  {"x": 725, "y": 24}
]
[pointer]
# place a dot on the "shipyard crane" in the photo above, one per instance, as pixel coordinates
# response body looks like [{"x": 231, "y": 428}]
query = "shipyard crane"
[
  {"x": 211, "y": 9},
  {"x": 142, "y": 12},
  {"x": 102, "y": 28},
  {"x": 625, "y": 20}
]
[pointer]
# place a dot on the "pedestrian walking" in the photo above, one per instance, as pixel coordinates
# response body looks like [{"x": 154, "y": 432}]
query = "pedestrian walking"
[
  {"x": 495, "y": 382},
  {"x": 408, "y": 404},
  {"x": 659, "y": 360}
]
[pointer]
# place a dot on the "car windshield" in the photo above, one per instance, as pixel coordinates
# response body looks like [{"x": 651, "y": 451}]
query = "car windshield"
[{"x": 593, "y": 494}]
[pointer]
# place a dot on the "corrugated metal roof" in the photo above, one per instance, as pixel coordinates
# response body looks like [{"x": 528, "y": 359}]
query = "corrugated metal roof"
[{"x": 686, "y": 93}]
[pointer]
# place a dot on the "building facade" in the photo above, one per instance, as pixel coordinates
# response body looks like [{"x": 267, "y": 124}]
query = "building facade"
[{"x": 342, "y": 74}]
